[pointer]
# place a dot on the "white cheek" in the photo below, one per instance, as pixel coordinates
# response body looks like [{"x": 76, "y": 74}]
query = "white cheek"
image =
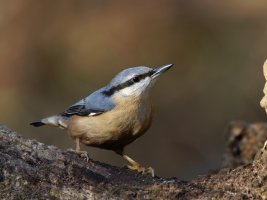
[
  {"x": 133, "y": 90},
  {"x": 136, "y": 89}
]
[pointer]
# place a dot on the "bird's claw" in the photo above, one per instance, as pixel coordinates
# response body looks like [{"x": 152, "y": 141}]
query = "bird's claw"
[
  {"x": 145, "y": 171},
  {"x": 82, "y": 154},
  {"x": 149, "y": 171},
  {"x": 85, "y": 156}
]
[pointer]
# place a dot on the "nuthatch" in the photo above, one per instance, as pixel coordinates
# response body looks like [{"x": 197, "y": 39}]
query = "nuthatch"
[{"x": 113, "y": 116}]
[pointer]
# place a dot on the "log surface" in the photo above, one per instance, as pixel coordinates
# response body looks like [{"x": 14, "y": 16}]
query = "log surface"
[{"x": 32, "y": 170}]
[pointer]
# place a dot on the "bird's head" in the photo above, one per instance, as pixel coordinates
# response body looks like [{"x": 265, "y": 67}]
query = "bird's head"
[{"x": 135, "y": 81}]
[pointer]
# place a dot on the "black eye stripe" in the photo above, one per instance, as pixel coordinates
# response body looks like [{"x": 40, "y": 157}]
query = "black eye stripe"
[
  {"x": 136, "y": 79},
  {"x": 128, "y": 83}
]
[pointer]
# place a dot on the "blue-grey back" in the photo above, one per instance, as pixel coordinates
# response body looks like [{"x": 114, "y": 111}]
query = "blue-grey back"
[{"x": 95, "y": 103}]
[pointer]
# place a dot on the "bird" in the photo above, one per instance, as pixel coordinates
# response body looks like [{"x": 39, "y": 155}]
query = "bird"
[{"x": 113, "y": 116}]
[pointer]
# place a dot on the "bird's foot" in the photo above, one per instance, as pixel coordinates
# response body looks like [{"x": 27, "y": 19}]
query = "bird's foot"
[
  {"x": 143, "y": 170},
  {"x": 82, "y": 154}
]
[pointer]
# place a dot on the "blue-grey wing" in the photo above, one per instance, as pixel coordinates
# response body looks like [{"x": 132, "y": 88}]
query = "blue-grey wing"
[{"x": 95, "y": 104}]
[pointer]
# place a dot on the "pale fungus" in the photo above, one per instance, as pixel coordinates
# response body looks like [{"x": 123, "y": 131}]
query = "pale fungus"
[{"x": 263, "y": 102}]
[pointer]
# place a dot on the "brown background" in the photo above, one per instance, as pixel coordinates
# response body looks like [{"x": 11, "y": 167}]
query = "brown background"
[{"x": 53, "y": 53}]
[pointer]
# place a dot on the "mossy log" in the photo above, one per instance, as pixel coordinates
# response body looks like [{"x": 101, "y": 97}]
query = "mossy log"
[{"x": 32, "y": 170}]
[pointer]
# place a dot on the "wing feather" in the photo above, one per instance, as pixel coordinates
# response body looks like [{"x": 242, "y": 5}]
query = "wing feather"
[{"x": 95, "y": 104}]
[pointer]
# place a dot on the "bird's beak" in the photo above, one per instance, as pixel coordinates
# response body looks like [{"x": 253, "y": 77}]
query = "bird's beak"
[{"x": 160, "y": 70}]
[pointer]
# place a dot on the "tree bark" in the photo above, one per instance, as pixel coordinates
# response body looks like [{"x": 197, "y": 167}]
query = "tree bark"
[{"x": 32, "y": 170}]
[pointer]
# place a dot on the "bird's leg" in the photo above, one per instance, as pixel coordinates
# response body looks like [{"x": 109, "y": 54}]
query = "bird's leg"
[
  {"x": 78, "y": 150},
  {"x": 135, "y": 166}
]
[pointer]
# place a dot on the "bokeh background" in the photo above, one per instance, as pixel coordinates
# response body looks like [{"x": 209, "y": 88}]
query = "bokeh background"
[{"x": 52, "y": 53}]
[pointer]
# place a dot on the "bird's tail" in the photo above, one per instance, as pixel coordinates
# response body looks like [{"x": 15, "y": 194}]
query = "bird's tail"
[{"x": 55, "y": 120}]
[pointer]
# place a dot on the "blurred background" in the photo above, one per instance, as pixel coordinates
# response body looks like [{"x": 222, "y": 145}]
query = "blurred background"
[{"x": 53, "y": 53}]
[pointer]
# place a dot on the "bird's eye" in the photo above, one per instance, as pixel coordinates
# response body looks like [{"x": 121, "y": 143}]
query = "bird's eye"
[{"x": 135, "y": 79}]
